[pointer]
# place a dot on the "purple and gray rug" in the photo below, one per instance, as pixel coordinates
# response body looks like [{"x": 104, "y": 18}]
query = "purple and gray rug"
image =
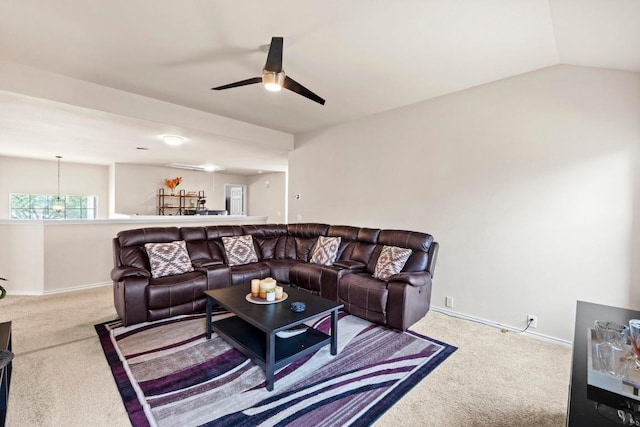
[{"x": 168, "y": 374}]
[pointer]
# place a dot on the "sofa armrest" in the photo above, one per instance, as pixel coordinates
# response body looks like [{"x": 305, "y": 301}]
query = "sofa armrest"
[
  {"x": 406, "y": 303},
  {"x": 218, "y": 276},
  {"x": 204, "y": 263},
  {"x": 130, "y": 298},
  {"x": 421, "y": 278},
  {"x": 350, "y": 265},
  {"x": 120, "y": 273}
]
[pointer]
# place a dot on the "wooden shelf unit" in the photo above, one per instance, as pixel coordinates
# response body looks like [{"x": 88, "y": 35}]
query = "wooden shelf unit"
[{"x": 178, "y": 203}]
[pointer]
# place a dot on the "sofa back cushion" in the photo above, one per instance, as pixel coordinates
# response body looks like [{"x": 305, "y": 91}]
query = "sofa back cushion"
[
  {"x": 406, "y": 239},
  {"x": 419, "y": 244},
  {"x": 301, "y": 238},
  {"x": 197, "y": 245},
  {"x": 131, "y": 243},
  {"x": 270, "y": 239},
  {"x": 364, "y": 247},
  {"x": 348, "y": 235},
  {"x": 307, "y": 230},
  {"x": 303, "y": 247}
]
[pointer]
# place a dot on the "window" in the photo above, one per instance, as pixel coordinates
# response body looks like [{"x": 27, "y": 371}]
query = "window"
[{"x": 40, "y": 206}]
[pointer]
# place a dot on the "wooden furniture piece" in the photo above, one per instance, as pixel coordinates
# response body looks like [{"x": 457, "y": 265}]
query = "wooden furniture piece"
[
  {"x": 589, "y": 405},
  {"x": 253, "y": 328},
  {"x": 179, "y": 203},
  {"x": 5, "y": 372}
]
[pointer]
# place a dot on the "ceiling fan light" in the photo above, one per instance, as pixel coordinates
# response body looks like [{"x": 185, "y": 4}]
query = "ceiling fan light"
[
  {"x": 272, "y": 81},
  {"x": 273, "y": 87},
  {"x": 173, "y": 140}
]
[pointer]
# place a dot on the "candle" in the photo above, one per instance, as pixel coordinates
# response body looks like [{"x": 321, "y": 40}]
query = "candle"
[
  {"x": 268, "y": 283},
  {"x": 265, "y": 285},
  {"x": 271, "y": 295},
  {"x": 279, "y": 292},
  {"x": 255, "y": 287}
]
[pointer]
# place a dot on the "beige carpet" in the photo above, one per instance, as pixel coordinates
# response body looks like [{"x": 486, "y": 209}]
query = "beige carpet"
[{"x": 61, "y": 378}]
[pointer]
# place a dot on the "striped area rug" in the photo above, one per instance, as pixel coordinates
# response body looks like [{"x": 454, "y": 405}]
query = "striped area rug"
[{"x": 169, "y": 374}]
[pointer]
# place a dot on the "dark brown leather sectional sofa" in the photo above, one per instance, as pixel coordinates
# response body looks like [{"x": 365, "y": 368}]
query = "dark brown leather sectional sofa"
[{"x": 283, "y": 253}]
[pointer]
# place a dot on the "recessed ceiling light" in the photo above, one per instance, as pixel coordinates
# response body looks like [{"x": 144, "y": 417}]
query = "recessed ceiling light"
[
  {"x": 173, "y": 139},
  {"x": 259, "y": 171}
]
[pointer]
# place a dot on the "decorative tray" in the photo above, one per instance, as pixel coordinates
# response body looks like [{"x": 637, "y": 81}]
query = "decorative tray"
[
  {"x": 296, "y": 330},
  {"x": 628, "y": 385},
  {"x": 258, "y": 300}
]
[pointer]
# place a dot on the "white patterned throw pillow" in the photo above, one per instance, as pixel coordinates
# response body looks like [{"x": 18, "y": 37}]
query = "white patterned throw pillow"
[
  {"x": 168, "y": 259},
  {"x": 391, "y": 261},
  {"x": 325, "y": 250},
  {"x": 239, "y": 250}
]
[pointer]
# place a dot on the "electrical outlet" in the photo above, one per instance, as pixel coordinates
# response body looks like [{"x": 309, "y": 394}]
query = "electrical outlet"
[
  {"x": 533, "y": 319},
  {"x": 448, "y": 301}
]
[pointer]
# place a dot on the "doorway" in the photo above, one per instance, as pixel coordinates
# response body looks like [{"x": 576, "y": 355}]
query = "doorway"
[{"x": 235, "y": 197}]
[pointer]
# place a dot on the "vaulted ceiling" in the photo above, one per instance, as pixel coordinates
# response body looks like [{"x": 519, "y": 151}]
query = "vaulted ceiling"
[{"x": 362, "y": 56}]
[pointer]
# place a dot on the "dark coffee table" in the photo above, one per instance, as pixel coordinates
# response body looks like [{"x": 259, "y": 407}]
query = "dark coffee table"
[{"x": 253, "y": 328}]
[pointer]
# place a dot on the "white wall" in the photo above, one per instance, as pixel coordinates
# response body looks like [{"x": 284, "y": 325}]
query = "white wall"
[
  {"x": 136, "y": 189},
  {"x": 22, "y": 257},
  {"x": 267, "y": 196},
  {"x": 18, "y": 175},
  {"x": 530, "y": 184},
  {"x": 136, "y": 186},
  {"x": 217, "y": 199},
  {"x": 132, "y": 189},
  {"x": 50, "y": 256}
]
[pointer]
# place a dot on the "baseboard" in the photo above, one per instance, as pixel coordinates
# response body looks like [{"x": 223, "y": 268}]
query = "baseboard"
[
  {"x": 58, "y": 291},
  {"x": 493, "y": 324},
  {"x": 77, "y": 288},
  {"x": 24, "y": 293}
]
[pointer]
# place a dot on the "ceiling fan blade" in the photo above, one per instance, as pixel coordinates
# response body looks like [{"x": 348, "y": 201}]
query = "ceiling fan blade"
[
  {"x": 296, "y": 87},
  {"x": 274, "y": 58},
  {"x": 250, "y": 81}
]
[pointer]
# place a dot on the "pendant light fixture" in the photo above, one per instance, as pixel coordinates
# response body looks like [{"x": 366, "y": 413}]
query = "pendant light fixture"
[{"x": 58, "y": 202}]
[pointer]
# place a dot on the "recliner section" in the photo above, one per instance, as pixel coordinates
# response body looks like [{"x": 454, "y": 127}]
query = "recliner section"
[{"x": 284, "y": 253}]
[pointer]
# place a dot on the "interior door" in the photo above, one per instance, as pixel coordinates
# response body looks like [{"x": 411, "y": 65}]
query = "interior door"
[{"x": 236, "y": 199}]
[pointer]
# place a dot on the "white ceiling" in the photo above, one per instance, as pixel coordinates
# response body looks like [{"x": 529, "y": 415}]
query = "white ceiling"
[{"x": 362, "y": 56}]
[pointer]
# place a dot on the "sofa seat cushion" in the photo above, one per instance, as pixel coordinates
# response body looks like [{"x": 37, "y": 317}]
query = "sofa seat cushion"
[
  {"x": 280, "y": 268},
  {"x": 242, "y": 274},
  {"x": 190, "y": 307},
  {"x": 364, "y": 296},
  {"x": 307, "y": 276},
  {"x": 318, "y": 279},
  {"x": 172, "y": 291}
]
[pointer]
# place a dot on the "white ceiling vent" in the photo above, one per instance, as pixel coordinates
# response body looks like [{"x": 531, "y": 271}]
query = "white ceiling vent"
[{"x": 199, "y": 168}]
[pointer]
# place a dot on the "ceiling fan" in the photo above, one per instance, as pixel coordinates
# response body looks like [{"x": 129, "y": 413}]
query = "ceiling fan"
[{"x": 273, "y": 76}]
